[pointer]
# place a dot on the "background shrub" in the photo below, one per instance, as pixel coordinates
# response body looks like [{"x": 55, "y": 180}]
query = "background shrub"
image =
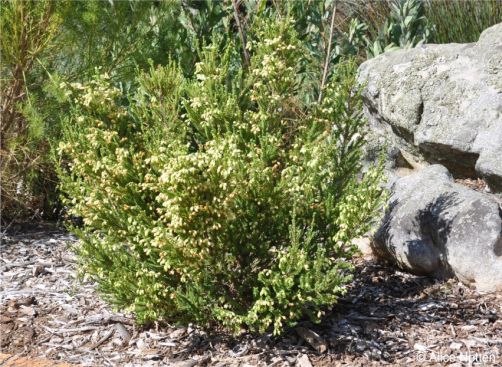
[
  {"x": 223, "y": 197},
  {"x": 28, "y": 29},
  {"x": 406, "y": 27},
  {"x": 461, "y": 21}
]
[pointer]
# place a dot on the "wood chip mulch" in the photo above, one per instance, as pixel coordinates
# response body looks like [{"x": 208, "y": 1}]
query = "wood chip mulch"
[
  {"x": 10, "y": 360},
  {"x": 477, "y": 184},
  {"x": 387, "y": 318}
]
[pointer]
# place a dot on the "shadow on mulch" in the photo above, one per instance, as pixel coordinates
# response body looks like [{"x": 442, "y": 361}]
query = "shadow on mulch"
[
  {"x": 387, "y": 317},
  {"x": 382, "y": 319}
]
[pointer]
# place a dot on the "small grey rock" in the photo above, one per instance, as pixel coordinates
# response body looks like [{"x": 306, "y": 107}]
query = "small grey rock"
[{"x": 434, "y": 226}]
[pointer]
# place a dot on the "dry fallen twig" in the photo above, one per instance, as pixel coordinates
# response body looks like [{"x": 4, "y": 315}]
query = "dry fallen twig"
[{"x": 311, "y": 337}]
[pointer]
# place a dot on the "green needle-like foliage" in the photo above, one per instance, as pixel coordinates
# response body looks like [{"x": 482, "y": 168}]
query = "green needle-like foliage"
[{"x": 225, "y": 197}]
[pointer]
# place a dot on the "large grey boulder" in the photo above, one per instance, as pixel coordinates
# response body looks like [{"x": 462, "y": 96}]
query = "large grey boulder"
[
  {"x": 436, "y": 227},
  {"x": 440, "y": 103}
]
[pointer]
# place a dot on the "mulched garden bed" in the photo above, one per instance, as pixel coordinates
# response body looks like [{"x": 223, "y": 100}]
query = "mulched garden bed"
[{"x": 387, "y": 318}]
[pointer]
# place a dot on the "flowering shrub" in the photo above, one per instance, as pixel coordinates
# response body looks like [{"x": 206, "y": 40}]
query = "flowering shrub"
[{"x": 222, "y": 198}]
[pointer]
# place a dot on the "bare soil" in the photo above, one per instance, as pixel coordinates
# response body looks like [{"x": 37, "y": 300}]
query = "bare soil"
[{"x": 387, "y": 318}]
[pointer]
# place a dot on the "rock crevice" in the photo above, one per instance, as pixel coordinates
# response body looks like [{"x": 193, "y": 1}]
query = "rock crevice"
[{"x": 442, "y": 103}]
